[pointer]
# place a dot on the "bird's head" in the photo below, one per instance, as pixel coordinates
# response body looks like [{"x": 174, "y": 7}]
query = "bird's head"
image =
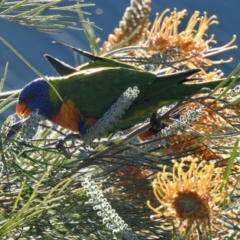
[{"x": 35, "y": 96}]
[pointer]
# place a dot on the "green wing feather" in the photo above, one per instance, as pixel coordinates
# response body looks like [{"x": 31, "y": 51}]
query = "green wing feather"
[
  {"x": 97, "y": 61},
  {"x": 94, "y": 91},
  {"x": 62, "y": 68}
]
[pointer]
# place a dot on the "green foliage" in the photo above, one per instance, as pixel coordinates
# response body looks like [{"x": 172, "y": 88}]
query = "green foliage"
[
  {"x": 45, "y": 16},
  {"x": 47, "y": 193}
]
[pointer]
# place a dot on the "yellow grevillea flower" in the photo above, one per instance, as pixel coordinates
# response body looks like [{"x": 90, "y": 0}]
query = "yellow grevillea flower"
[
  {"x": 190, "y": 197},
  {"x": 165, "y": 36}
]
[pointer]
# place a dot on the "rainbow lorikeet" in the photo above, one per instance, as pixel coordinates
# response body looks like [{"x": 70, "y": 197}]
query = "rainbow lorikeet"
[{"x": 89, "y": 92}]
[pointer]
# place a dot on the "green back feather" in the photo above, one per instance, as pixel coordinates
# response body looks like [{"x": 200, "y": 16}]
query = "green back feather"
[{"x": 94, "y": 91}]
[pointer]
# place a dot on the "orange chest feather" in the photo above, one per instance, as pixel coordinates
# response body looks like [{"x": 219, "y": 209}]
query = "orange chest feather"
[{"x": 68, "y": 116}]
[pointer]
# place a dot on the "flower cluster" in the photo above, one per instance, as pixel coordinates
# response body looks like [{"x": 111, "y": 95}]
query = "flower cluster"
[
  {"x": 136, "y": 20},
  {"x": 109, "y": 217},
  {"x": 188, "y": 116},
  {"x": 191, "y": 196},
  {"x": 165, "y": 45},
  {"x": 31, "y": 126},
  {"x": 192, "y": 46}
]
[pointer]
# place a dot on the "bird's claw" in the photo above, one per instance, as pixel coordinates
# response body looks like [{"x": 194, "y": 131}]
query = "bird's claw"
[{"x": 156, "y": 122}]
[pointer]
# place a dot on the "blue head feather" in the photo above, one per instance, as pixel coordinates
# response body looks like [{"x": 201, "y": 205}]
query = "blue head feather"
[{"x": 35, "y": 95}]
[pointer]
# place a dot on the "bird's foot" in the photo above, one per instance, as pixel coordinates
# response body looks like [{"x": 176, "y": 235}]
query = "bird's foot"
[
  {"x": 159, "y": 122},
  {"x": 156, "y": 126},
  {"x": 156, "y": 122}
]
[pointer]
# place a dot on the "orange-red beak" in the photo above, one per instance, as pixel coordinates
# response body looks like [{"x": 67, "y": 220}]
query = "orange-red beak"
[{"x": 22, "y": 110}]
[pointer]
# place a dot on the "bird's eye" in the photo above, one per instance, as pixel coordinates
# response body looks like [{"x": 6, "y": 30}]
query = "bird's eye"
[{"x": 30, "y": 98}]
